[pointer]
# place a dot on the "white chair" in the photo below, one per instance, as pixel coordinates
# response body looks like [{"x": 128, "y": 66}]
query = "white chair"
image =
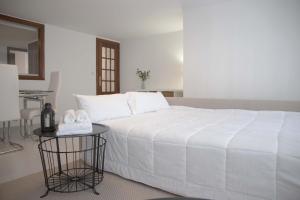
[
  {"x": 9, "y": 104},
  {"x": 29, "y": 113}
]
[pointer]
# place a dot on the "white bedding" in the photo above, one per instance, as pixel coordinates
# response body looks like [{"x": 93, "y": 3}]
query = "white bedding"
[{"x": 215, "y": 154}]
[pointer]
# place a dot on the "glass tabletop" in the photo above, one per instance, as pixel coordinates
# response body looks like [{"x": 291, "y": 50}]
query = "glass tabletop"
[{"x": 34, "y": 91}]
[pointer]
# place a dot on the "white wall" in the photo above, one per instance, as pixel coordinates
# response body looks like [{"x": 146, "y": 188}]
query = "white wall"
[
  {"x": 74, "y": 54},
  {"x": 161, "y": 54},
  {"x": 242, "y": 49}
]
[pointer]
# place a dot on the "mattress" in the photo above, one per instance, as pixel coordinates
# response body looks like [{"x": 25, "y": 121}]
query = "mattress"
[{"x": 206, "y": 153}]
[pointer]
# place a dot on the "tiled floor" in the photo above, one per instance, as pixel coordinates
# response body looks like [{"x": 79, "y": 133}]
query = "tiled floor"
[
  {"x": 21, "y": 163},
  {"x": 112, "y": 188},
  {"x": 21, "y": 178}
]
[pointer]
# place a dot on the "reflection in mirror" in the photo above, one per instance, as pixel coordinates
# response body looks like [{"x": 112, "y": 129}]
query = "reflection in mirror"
[{"x": 21, "y": 44}]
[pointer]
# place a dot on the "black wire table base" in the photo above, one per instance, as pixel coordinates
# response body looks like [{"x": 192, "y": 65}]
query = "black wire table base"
[
  {"x": 68, "y": 181},
  {"x": 72, "y": 163}
]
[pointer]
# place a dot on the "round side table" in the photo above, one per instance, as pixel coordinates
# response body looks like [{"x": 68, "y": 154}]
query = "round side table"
[{"x": 72, "y": 162}]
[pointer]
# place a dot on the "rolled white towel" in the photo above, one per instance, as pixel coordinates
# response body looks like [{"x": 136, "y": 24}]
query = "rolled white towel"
[
  {"x": 76, "y": 128},
  {"x": 82, "y": 117},
  {"x": 69, "y": 117}
]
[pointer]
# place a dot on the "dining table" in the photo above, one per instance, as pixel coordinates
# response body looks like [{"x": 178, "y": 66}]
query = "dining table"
[
  {"x": 6, "y": 146},
  {"x": 35, "y": 96}
]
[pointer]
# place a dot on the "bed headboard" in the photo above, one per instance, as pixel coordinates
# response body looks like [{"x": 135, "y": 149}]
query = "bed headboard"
[{"x": 235, "y": 104}]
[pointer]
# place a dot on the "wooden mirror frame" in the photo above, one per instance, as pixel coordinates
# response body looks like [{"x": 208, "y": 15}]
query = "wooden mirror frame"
[{"x": 41, "y": 40}]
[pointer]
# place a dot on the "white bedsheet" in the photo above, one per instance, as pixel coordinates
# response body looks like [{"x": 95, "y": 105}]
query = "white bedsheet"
[{"x": 215, "y": 154}]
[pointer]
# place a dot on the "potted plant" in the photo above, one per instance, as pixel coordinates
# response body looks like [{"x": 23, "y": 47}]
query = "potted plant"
[{"x": 143, "y": 75}]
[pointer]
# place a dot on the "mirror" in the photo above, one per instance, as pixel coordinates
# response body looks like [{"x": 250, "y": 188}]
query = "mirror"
[{"x": 22, "y": 44}]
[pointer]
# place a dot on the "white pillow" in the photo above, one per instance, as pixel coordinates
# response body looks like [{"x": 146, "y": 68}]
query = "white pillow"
[
  {"x": 141, "y": 102},
  {"x": 104, "y": 107}
]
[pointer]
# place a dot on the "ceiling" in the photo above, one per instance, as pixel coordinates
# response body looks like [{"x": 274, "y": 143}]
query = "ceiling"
[{"x": 115, "y": 19}]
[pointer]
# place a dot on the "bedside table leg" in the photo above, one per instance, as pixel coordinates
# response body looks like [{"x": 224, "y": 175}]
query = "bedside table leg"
[
  {"x": 95, "y": 191},
  {"x": 46, "y": 193},
  {"x": 94, "y": 162}
]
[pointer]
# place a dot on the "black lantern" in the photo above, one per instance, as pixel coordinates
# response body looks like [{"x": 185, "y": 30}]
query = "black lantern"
[{"x": 48, "y": 119}]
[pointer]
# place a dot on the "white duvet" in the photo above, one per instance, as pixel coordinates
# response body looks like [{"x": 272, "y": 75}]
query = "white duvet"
[{"x": 215, "y": 154}]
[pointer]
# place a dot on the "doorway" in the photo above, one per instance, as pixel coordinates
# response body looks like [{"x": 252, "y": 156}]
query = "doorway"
[{"x": 107, "y": 67}]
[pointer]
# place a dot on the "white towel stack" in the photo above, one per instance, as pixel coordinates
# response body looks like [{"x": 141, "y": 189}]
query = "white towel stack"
[
  {"x": 82, "y": 117},
  {"x": 69, "y": 117},
  {"x": 75, "y": 122}
]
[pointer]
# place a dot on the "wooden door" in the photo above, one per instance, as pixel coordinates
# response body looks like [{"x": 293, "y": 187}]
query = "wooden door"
[
  {"x": 33, "y": 57},
  {"x": 107, "y": 67}
]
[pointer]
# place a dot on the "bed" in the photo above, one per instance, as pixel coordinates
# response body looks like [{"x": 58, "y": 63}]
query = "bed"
[{"x": 206, "y": 153}]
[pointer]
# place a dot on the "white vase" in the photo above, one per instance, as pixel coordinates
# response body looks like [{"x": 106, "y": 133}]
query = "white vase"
[{"x": 143, "y": 86}]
